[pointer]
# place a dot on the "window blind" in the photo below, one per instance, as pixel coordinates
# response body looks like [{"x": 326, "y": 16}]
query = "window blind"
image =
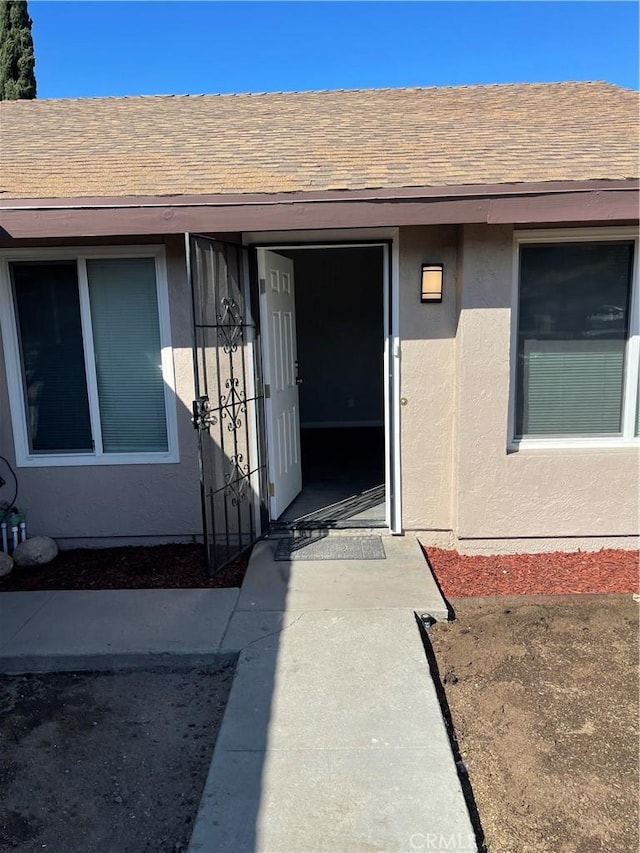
[
  {"x": 572, "y": 389},
  {"x": 52, "y": 356},
  {"x": 572, "y": 332},
  {"x": 126, "y": 339}
]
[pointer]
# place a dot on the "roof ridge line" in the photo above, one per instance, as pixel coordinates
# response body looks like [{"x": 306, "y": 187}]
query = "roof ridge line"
[{"x": 371, "y": 89}]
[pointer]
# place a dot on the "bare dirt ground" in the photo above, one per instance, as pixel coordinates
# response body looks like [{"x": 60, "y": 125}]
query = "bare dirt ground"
[
  {"x": 543, "y": 692},
  {"x": 107, "y": 762}
]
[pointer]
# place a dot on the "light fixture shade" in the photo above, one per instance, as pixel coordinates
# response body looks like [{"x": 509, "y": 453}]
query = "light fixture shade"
[{"x": 431, "y": 285}]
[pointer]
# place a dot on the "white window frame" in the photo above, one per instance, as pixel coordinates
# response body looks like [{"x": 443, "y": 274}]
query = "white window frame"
[
  {"x": 13, "y": 361},
  {"x": 632, "y": 351}
]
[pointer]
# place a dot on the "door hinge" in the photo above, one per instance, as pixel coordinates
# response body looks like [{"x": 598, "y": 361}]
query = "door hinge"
[
  {"x": 272, "y": 490},
  {"x": 263, "y": 285},
  {"x": 267, "y": 392}
]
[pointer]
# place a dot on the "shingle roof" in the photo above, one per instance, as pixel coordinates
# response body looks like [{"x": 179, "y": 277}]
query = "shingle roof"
[{"x": 326, "y": 140}]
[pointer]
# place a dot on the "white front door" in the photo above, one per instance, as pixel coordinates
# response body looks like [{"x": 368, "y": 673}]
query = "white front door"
[{"x": 282, "y": 410}]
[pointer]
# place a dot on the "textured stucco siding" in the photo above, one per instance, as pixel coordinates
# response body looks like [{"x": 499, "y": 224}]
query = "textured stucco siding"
[
  {"x": 98, "y": 503},
  {"x": 586, "y": 493},
  {"x": 460, "y": 484},
  {"x": 427, "y": 374}
]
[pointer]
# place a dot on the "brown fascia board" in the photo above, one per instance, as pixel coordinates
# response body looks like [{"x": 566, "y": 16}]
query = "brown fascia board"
[
  {"x": 553, "y": 201},
  {"x": 339, "y": 195}
]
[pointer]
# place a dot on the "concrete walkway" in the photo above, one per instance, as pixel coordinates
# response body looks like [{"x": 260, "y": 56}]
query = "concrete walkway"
[
  {"x": 332, "y": 741},
  {"x": 57, "y": 630}
]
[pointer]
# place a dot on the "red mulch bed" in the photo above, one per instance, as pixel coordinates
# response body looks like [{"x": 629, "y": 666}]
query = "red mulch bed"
[
  {"x": 148, "y": 567},
  {"x": 553, "y": 573}
]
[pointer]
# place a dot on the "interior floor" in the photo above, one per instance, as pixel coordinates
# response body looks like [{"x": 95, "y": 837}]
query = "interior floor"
[{"x": 342, "y": 477}]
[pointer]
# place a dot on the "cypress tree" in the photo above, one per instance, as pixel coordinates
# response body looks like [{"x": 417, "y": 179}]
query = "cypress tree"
[{"x": 17, "y": 78}]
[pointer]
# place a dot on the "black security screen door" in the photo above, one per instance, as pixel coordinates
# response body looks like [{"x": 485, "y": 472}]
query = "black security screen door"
[{"x": 228, "y": 409}]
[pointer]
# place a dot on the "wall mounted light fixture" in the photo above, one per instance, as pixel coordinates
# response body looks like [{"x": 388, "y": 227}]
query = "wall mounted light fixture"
[{"x": 431, "y": 284}]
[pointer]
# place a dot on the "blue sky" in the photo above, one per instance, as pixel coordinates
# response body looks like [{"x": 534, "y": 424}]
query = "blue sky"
[{"x": 97, "y": 48}]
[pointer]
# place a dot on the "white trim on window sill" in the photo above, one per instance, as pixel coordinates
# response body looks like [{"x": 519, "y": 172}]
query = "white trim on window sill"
[
  {"x": 59, "y": 460},
  {"x": 583, "y": 443}
]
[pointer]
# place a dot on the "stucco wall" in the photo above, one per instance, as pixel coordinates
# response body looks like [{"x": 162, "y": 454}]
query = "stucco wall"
[
  {"x": 590, "y": 494},
  {"x": 459, "y": 483},
  {"x": 427, "y": 372},
  {"x": 103, "y": 502}
]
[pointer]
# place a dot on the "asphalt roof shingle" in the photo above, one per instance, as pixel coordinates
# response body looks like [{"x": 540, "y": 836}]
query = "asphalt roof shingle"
[{"x": 326, "y": 140}]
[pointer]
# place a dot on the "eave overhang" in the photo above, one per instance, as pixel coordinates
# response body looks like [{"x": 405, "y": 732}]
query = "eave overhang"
[{"x": 519, "y": 204}]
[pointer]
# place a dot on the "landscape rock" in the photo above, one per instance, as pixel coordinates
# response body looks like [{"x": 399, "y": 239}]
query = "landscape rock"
[
  {"x": 35, "y": 551},
  {"x": 6, "y": 564}
]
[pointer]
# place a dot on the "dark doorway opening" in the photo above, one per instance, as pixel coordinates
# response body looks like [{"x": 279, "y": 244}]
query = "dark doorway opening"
[
  {"x": 339, "y": 293},
  {"x": 342, "y": 477}
]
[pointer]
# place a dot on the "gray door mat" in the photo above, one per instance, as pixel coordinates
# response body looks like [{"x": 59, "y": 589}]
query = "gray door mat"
[{"x": 330, "y": 548}]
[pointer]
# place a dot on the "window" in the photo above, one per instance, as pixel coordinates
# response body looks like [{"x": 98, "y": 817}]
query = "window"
[
  {"x": 576, "y": 339},
  {"x": 90, "y": 359}
]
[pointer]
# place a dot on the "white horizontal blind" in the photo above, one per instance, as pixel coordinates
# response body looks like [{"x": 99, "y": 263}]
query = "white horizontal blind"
[
  {"x": 126, "y": 339},
  {"x": 570, "y": 388}
]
